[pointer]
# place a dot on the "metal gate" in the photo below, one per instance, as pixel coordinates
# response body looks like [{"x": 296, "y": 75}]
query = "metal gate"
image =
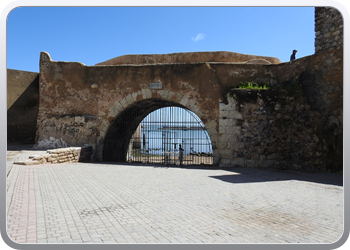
[{"x": 171, "y": 136}]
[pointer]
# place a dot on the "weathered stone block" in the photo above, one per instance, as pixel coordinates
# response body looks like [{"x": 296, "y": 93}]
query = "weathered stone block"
[
  {"x": 236, "y": 145},
  {"x": 184, "y": 101},
  {"x": 31, "y": 162},
  {"x": 238, "y": 162},
  {"x": 146, "y": 93},
  {"x": 212, "y": 131},
  {"x": 115, "y": 109},
  {"x": 224, "y": 114},
  {"x": 19, "y": 162},
  {"x": 124, "y": 103},
  {"x": 262, "y": 157},
  {"x": 266, "y": 163},
  {"x": 210, "y": 124},
  {"x": 222, "y": 130},
  {"x": 226, "y": 154},
  {"x": 38, "y": 157},
  {"x": 129, "y": 99},
  {"x": 227, "y": 122},
  {"x": 272, "y": 157},
  {"x": 225, "y": 161},
  {"x": 46, "y": 156},
  {"x": 222, "y": 106},
  {"x": 234, "y": 130},
  {"x": 52, "y": 159},
  {"x": 235, "y": 115},
  {"x": 251, "y": 163}
]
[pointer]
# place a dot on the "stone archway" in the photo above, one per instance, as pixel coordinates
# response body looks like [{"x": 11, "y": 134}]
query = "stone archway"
[{"x": 117, "y": 137}]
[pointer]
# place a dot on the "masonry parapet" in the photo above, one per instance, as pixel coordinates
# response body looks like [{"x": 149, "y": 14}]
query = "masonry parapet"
[{"x": 60, "y": 155}]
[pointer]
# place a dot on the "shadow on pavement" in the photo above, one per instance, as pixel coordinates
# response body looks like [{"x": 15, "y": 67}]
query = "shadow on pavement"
[
  {"x": 234, "y": 175},
  {"x": 249, "y": 175}
]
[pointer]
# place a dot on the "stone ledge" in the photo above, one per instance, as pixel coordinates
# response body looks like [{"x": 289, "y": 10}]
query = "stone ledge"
[{"x": 60, "y": 155}]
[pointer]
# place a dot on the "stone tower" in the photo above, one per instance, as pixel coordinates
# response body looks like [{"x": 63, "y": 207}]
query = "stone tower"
[{"x": 328, "y": 28}]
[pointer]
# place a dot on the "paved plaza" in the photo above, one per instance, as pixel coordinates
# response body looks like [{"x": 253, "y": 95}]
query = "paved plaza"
[{"x": 120, "y": 203}]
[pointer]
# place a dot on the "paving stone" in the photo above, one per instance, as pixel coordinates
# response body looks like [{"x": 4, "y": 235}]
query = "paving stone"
[{"x": 71, "y": 203}]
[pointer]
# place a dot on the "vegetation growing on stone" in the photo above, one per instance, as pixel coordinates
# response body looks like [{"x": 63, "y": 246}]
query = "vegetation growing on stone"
[
  {"x": 286, "y": 89},
  {"x": 252, "y": 85}
]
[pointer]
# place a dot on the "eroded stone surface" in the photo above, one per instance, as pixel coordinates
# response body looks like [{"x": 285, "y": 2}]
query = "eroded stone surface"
[
  {"x": 74, "y": 114},
  {"x": 191, "y": 57}
]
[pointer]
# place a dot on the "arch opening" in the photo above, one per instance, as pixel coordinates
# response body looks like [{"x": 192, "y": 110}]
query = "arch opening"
[{"x": 151, "y": 131}]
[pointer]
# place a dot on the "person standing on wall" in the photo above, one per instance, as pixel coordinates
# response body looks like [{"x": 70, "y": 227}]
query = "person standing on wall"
[{"x": 292, "y": 57}]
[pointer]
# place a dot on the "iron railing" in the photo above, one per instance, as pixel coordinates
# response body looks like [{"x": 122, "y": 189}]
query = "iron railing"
[{"x": 160, "y": 135}]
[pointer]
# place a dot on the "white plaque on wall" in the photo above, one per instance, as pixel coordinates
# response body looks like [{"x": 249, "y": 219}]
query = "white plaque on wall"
[{"x": 155, "y": 85}]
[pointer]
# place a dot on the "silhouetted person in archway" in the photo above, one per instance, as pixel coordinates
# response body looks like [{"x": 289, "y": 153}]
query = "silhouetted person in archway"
[
  {"x": 181, "y": 155},
  {"x": 292, "y": 57}
]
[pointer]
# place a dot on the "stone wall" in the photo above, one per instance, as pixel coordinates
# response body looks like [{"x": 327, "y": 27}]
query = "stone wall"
[
  {"x": 274, "y": 128},
  {"x": 82, "y": 105},
  {"x": 328, "y": 28},
  {"x": 265, "y": 128},
  {"x": 22, "y": 105},
  {"x": 296, "y": 124}
]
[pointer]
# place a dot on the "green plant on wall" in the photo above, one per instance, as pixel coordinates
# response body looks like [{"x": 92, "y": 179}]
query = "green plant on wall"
[
  {"x": 252, "y": 85},
  {"x": 287, "y": 89}
]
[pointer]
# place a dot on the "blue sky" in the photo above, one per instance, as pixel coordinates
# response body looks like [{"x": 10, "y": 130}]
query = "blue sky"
[{"x": 95, "y": 34}]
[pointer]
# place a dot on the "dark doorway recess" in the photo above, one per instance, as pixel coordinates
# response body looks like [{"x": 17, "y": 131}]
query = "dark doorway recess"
[{"x": 151, "y": 131}]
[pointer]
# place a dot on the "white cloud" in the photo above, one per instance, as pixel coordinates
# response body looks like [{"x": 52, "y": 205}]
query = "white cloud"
[{"x": 199, "y": 37}]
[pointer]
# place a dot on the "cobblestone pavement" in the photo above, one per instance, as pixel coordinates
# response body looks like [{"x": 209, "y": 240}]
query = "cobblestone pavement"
[{"x": 110, "y": 203}]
